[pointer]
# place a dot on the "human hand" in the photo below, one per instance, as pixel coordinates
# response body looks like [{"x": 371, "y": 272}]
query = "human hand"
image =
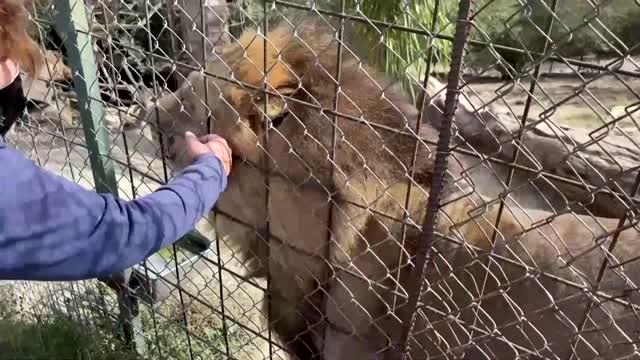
[{"x": 210, "y": 143}]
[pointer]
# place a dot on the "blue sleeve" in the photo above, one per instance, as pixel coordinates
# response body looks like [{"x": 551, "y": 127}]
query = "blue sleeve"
[{"x": 54, "y": 229}]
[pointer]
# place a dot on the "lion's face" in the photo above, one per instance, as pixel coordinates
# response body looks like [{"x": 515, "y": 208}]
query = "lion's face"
[
  {"x": 243, "y": 112},
  {"x": 296, "y": 112},
  {"x": 238, "y": 111}
]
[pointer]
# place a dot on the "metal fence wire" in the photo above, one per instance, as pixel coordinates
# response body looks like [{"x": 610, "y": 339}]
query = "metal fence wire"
[{"x": 411, "y": 179}]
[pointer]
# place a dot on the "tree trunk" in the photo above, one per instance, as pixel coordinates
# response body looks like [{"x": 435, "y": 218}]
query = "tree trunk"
[
  {"x": 598, "y": 170},
  {"x": 214, "y": 34}
]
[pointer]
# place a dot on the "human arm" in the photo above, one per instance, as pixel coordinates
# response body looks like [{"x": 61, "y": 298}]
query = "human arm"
[{"x": 53, "y": 229}]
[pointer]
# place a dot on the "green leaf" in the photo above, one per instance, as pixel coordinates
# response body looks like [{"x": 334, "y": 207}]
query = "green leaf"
[{"x": 401, "y": 53}]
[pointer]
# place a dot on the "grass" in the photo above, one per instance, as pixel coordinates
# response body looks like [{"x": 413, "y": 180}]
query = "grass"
[
  {"x": 57, "y": 337},
  {"x": 167, "y": 336}
]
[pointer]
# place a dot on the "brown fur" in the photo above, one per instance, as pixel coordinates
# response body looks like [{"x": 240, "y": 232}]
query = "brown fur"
[
  {"x": 342, "y": 296},
  {"x": 15, "y": 42}
]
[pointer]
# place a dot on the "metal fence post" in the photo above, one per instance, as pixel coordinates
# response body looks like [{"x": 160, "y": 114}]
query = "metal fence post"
[
  {"x": 424, "y": 252},
  {"x": 72, "y": 25}
]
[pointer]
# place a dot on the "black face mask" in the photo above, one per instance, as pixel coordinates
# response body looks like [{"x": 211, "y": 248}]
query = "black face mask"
[{"x": 12, "y": 104}]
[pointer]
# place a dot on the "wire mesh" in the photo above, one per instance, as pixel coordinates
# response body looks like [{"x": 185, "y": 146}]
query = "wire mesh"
[{"x": 372, "y": 211}]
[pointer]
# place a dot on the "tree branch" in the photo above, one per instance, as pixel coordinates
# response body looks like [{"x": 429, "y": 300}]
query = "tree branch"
[{"x": 600, "y": 167}]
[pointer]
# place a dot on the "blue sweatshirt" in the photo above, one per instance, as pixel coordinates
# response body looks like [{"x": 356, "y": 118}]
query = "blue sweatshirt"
[{"x": 54, "y": 229}]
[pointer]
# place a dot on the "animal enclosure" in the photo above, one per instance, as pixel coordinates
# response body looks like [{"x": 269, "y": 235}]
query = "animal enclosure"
[{"x": 411, "y": 179}]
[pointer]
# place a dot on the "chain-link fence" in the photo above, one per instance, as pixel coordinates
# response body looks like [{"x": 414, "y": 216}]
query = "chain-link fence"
[{"x": 362, "y": 219}]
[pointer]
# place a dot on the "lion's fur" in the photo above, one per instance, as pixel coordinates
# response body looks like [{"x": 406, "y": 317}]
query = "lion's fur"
[{"x": 344, "y": 292}]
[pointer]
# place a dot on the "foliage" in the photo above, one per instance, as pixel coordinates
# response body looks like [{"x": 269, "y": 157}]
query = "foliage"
[
  {"x": 52, "y": 333},
  {"x": 580, "y": 28},
  {"x": 168, "y": 336},
  {"x": 612, "y": 28},
  {"x": 57, "y": 337},
  {"x": 400, "y": 53}
]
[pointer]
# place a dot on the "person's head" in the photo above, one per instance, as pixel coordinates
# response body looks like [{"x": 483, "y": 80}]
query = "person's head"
[
  {"x": 15, "y": 42},
  {"x": 16, "y": 46}
]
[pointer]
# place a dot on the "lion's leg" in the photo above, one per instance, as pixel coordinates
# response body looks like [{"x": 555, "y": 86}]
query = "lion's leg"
[{"x": 294, "y": 315}]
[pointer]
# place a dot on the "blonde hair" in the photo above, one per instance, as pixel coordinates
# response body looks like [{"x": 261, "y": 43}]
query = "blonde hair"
[{"x": 15, "y": 42}]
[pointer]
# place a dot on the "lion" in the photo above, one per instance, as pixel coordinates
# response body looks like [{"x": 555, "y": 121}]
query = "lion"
[{"x": 325, "y": 199}]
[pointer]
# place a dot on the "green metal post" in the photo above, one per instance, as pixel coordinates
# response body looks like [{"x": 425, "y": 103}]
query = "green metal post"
[{"x": 72, "y": 25}]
